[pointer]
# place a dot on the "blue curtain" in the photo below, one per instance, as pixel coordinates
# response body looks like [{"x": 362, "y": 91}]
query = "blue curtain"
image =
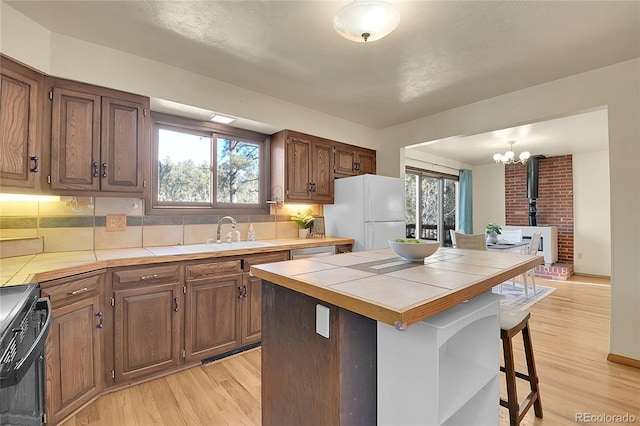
[{"x": 466, "y": 202}]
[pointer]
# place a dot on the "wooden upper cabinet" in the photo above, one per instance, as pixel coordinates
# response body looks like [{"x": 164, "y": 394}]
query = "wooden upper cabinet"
[
  {"x": 122, "y": 145},
  {"x": 366, "y": 161},
  {"x": 99, "y": 139},
  {"x": 322, "y": 171},
  {"x": 351, "y": 160},
  {"x": 303, "y": 166},
  {"x": 20, "y": 133},
  {"x": 75, "y": 140},
  {"x": 298, "y": 168}
]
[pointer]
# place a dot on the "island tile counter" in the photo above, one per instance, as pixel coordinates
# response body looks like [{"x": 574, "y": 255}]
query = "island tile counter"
[
  {"x": 381, "y": 286},
  {"x": 368, "y": 338}
]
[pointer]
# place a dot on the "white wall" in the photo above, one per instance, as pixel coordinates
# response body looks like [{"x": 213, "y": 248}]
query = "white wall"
[
  {"x": 488, "y": 196},
  {"x": 617, "y": 87},
  {"x": 591, "y": 203}
]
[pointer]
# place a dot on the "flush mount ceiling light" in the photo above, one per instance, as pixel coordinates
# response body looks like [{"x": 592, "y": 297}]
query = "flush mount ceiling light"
[
  {"x": 366, "y": 20},
  {"x": 222, "y": 119},
  {"x": 509, "y": 157}
]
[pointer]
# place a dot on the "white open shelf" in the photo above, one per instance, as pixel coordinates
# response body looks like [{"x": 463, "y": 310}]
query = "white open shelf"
[{"x": 442, "y": 370}]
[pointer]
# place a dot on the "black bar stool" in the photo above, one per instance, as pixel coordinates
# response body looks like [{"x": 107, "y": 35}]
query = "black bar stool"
[{"x": 513, "y": 321}]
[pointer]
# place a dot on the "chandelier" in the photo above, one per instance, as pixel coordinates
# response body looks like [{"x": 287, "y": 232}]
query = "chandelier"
[
  {"x": 366, "y": 20},
  {"x": 509, "y": 157}
]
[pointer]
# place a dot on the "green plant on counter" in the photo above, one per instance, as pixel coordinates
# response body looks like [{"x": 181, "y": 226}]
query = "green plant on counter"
[
  {"x": 492, "y": 228},
  {"x": 304, "y": 219}
]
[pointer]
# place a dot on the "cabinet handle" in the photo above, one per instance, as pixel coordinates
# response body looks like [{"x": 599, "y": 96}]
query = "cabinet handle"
[
  {"x": 149, "y": 277},
  {"x": 34, "y": 169},
  {"x": 101, "y": 317},
  {"x": 80, "y": 290},
  {"x": 356, "y": 166},
  {"x": 104, "y": 169},
  {"x": 244, "y": 293},
  {"x": 240, "y": 292},
  {"x": 176, "y": 304},
  {"x": 96, "y": 173}
]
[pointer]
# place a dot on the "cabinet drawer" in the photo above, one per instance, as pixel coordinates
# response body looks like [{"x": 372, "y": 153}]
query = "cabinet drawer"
[
  {"x": 213, "y": 269},
  {"x": 147, "y": 275},
  {"x": 67, "y": 290},
  {"x": 258, "y": 259}
]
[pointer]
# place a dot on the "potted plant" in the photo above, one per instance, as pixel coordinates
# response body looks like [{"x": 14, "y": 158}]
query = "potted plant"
[
  {"x": 305, "y": 221},
  {"x": 493, "y": 230}
]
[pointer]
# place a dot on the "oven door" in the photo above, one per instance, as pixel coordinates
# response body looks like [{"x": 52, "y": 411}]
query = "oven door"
[{"x": 22, "y": 381}]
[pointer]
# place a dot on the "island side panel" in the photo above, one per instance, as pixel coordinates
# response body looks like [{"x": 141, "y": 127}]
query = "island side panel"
[{"x": 307, "y": 378}]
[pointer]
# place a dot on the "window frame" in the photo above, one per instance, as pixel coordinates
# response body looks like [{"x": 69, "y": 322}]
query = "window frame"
[
  {"x": 216, "y": 131},
  {"x": 441, "y": 178}
]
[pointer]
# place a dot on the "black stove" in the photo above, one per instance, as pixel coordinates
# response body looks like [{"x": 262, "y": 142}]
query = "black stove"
[{"x": 25, "y": 320}]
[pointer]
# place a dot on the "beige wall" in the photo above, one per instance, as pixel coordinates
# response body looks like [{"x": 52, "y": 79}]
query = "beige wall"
[
  {"x": 66, "y": 57},
  {"x": 616, "y": 87},
  {"x": 591, "y": 203},
  {"x": 488, "y": 196}
]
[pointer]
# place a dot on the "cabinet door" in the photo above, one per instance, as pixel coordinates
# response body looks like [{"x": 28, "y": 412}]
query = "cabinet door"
[
  {"x": 345, "y": 160},
  {"x": 322, "y": 172},
  {"x": 366, "y": 162},
  {"x": 298, "y": 170},
  {"x": 122, "y": 153},
  {"x": 74, "y": 358},
  {"x": 213, "y": 309},
  {"x": 147, "y": 324},
  {"x": 19, "y": 118},
  {"x": 75, "y": 140},
  {"x": 251, "y": 315}
]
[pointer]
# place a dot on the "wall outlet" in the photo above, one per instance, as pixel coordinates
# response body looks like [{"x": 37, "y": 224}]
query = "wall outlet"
[{"x": 116, "y": 223}]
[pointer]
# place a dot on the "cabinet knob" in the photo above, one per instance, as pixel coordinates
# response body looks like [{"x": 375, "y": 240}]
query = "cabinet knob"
[
  {"x": 34, "y": 169},
  {"x": 101, "y": 317}
]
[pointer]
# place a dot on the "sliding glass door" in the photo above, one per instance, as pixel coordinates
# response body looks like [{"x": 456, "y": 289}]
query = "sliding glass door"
[{"x": 431, "y": 204}]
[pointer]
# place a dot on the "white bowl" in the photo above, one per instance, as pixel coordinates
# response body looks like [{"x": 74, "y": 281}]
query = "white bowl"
[{"x": 414, "y": 250}]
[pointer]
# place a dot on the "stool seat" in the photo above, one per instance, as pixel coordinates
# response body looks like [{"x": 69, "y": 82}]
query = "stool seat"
[
  {"x": 512, "y": 318},
  {"x": 512, "y": 322}
]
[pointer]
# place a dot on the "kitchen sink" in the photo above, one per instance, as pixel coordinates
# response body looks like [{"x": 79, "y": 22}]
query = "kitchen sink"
[
  {"x": 206, "y": 247},
  {"x": 242, "y": 245}
]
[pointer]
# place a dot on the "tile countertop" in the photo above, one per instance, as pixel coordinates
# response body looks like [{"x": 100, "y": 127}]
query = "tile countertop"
[
  {"x": 380, "y": 285},
  {"x": 48, "y": 266}
]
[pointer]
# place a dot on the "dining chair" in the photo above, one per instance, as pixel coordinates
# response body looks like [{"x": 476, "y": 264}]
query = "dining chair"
[
  {"x": 471, "y": 241},
  {"x": 453, "y": 235},
  {"x": 511, "y": 235},
  {"x": 532, "y": 248}
]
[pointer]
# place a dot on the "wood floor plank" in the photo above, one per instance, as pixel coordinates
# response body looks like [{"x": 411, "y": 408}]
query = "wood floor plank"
[{"x": 570, "y": 333}]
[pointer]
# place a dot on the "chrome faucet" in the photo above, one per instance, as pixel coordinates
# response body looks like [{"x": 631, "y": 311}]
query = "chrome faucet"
[{"x": 233, "y": 225}]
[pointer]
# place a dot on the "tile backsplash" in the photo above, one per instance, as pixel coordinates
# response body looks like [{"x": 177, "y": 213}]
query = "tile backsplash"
[{"x": 80, "y": 224}]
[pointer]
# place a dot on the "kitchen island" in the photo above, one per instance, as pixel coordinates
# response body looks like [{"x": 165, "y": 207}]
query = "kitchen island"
[{"x": 367, "y": 338}]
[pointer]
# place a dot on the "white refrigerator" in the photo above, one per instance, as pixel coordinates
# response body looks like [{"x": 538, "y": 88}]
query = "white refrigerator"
[{"x": 367, "y": 208}]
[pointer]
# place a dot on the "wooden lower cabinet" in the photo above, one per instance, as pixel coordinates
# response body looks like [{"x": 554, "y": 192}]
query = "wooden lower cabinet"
[
  {"x": 251, "y": 306},
  {"x": 74, "y": 345},
  {"x": 125, "y": 325},
  {"x": 214, "y": 292},
  {"x": 148, "y": 320}
]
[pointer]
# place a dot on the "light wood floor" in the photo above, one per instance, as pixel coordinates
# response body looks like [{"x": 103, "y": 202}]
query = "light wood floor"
[{"x": 570, "y": 330}]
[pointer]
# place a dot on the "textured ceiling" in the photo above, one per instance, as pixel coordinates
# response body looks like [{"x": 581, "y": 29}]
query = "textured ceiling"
[{"x": 444, "y": 54}]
